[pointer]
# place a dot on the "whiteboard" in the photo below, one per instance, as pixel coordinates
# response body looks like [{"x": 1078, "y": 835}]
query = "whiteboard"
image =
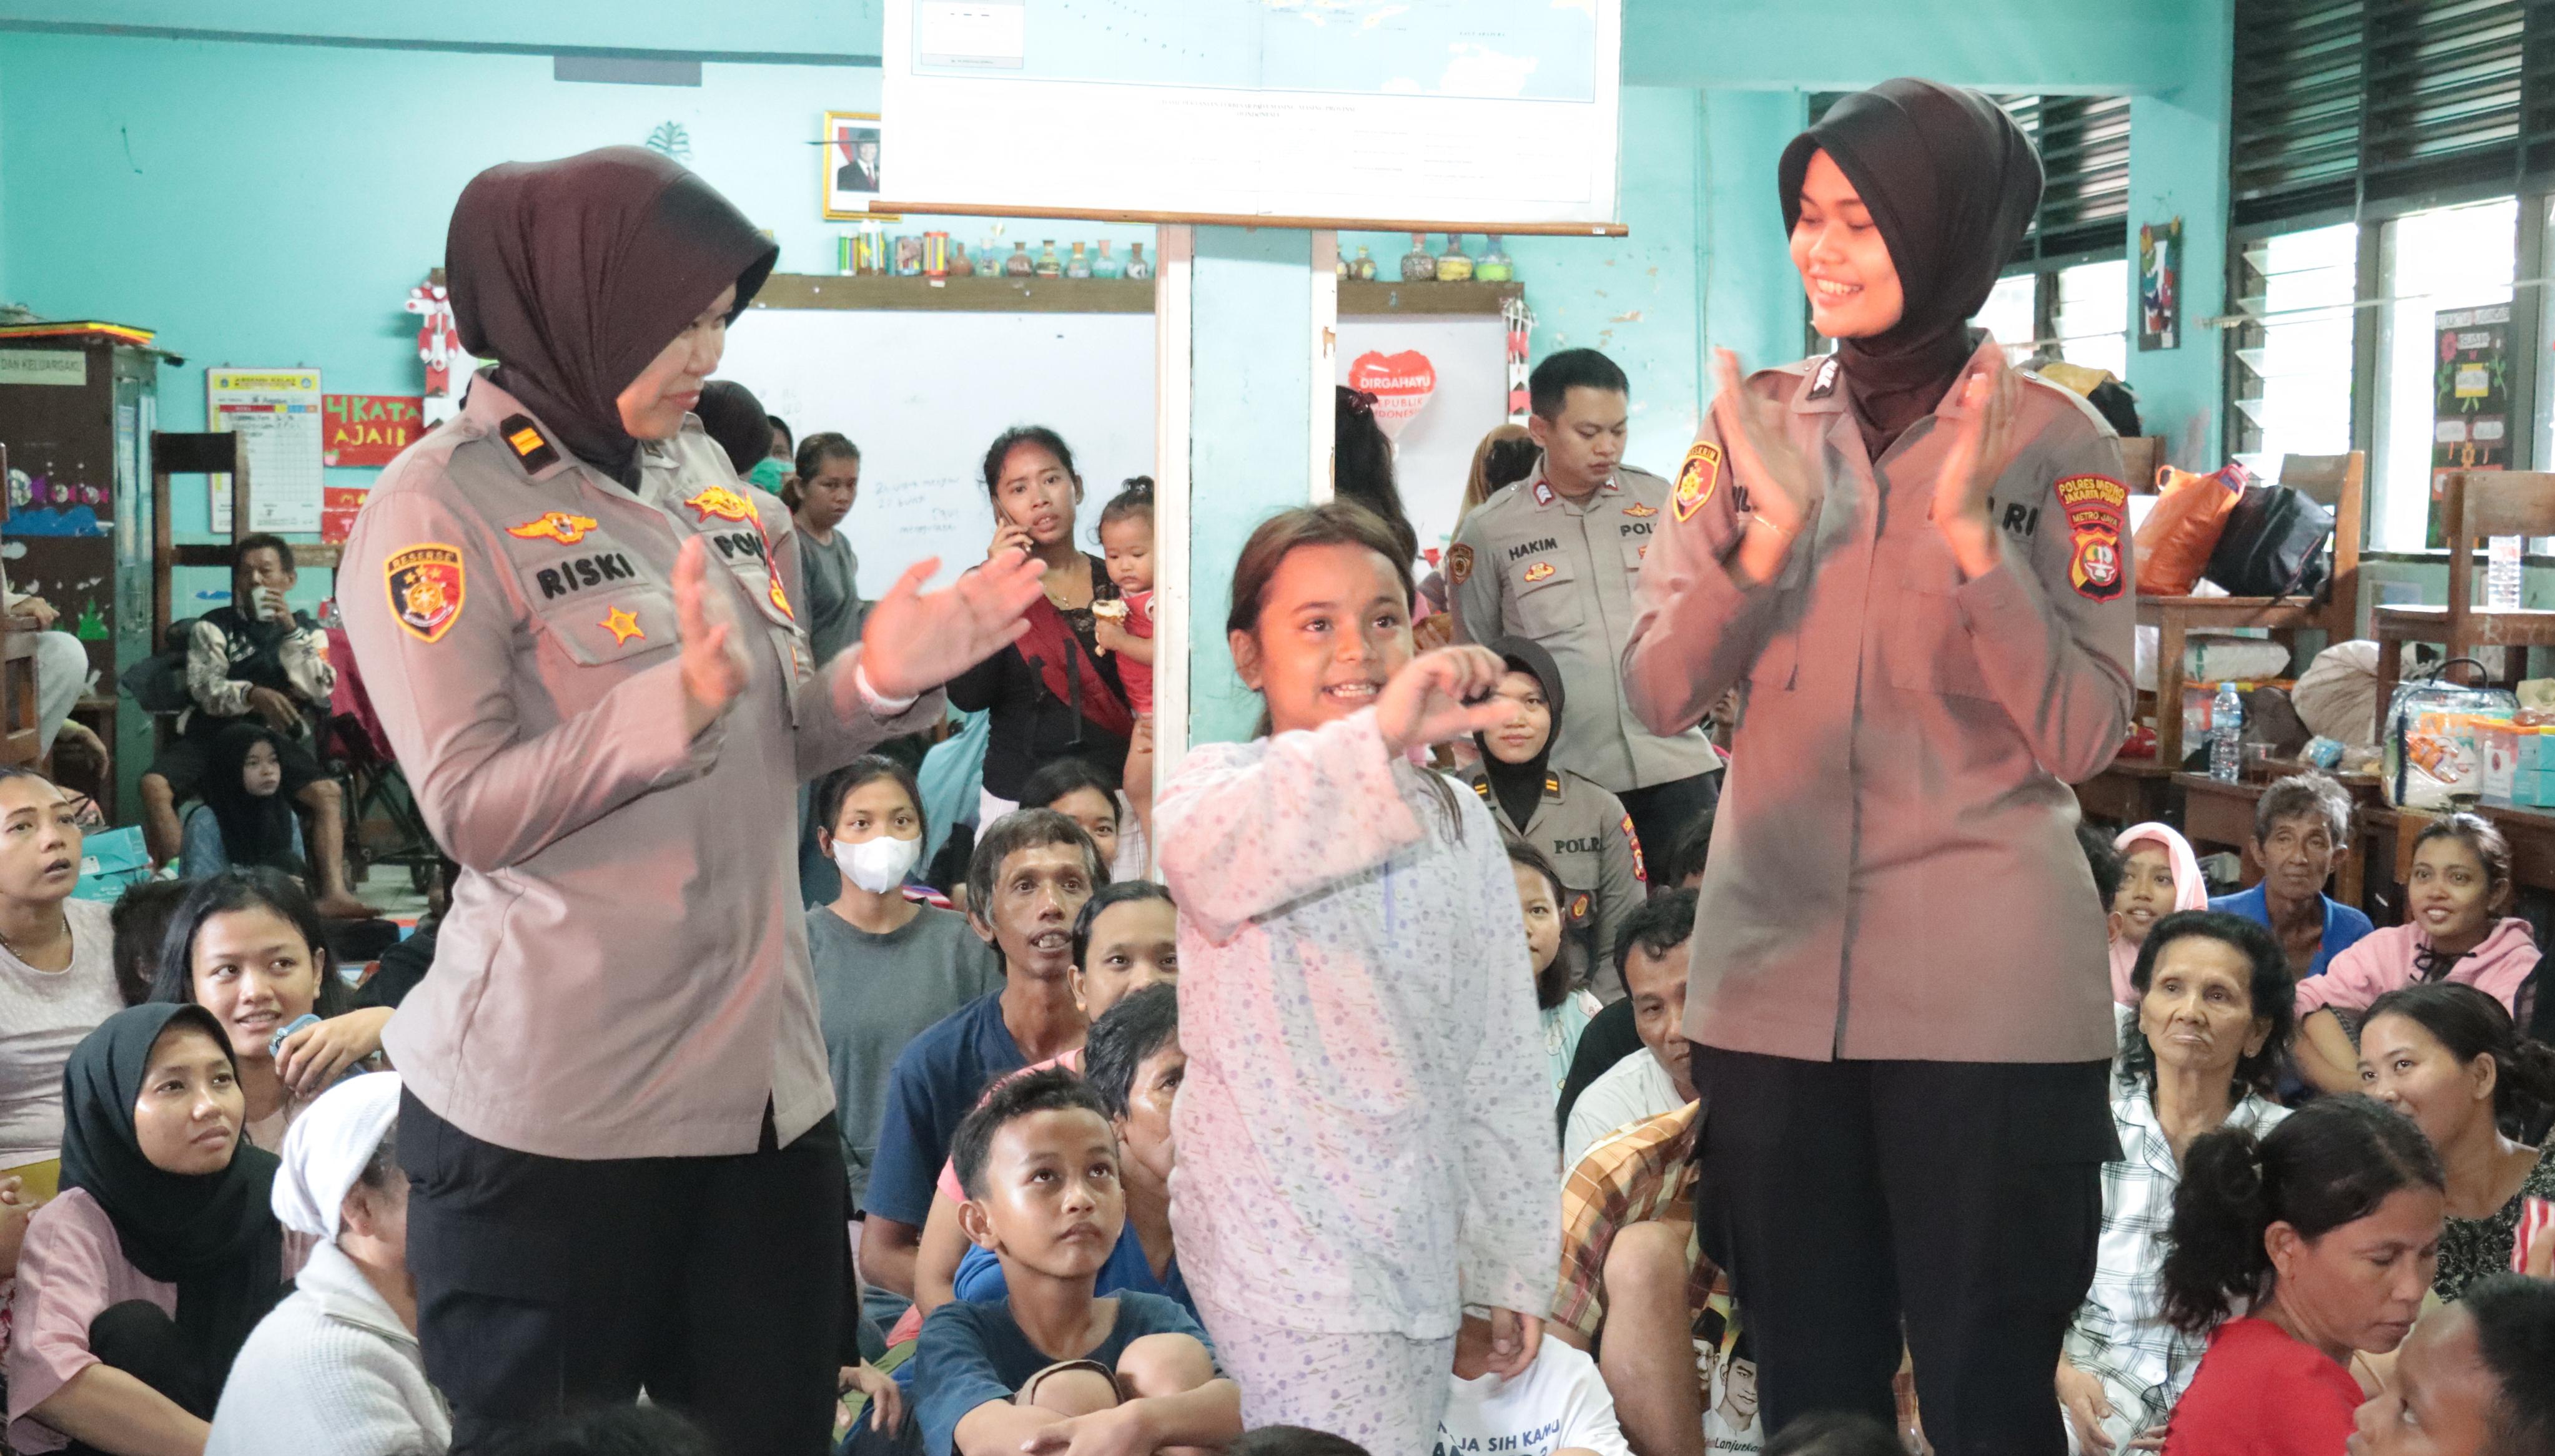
[
  {"x": 923, "y": 392},
  {"x": 1479, "y": 115},
  {"x": 1434, "y": 455}
]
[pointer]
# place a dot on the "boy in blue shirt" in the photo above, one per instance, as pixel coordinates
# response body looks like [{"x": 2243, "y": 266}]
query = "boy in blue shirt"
[
  {"x": 1051, "y": 1362},
  {"x": 2300, "y": 827}
]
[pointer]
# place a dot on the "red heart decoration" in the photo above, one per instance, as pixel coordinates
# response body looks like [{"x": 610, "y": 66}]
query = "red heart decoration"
[{"x": 1400, "y": 383}]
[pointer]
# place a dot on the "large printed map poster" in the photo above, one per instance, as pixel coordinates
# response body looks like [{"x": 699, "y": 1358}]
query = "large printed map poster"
[{"x": 1378, "y": 110}]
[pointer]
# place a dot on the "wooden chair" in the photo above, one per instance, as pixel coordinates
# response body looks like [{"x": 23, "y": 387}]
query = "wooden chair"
[
  {"x": 2335, "y": 482},
  {"x": 2475, "y": 506}
]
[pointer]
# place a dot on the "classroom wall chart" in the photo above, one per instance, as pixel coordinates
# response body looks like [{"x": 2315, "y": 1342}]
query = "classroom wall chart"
[{"x": 279, "y": 409}]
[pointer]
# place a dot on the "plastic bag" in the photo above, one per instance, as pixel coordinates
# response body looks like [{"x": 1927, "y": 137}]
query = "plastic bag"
[
  {"x": 2434, "y": 751},
  {"x": 2338, "y": 695},
  {"x": 2173, "y": 544},
  {"x": 110, "y": 860}
]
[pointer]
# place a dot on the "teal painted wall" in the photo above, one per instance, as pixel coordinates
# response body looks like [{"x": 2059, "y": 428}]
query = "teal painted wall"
[
  {"x": 1249, "y": 453},
  {"x": 1841, "y": 45},
  {"x": 2178, "y": 168}
]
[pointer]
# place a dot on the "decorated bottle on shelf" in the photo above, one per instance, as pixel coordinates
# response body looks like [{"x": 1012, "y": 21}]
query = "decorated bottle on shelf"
[
  {"x": 1049, "y": 265},
  {"x": 1364, "y": 269},
  {"x": 1079, "y": 264},
  {"x": 1019, "y": 264},
  {"x": 1104, "y": 266},
  {"x": 1416, "y": 265},
  {"x": 1455, "y": 264},
  {"x": 1136, "y": 268},
  {"x": 961, "y": 265},
  {"x": 1494, "y": 266},
  {"x": 1340, "y": 265},
  {"x": 989, "y": 259}
]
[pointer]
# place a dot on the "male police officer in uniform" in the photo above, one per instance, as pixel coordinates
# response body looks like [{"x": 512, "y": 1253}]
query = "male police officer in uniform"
[{"x": 1555, "y": 558}]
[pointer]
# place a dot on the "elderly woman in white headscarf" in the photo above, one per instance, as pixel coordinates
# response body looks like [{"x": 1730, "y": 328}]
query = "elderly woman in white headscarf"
[{"x": 336, "y": 1368}]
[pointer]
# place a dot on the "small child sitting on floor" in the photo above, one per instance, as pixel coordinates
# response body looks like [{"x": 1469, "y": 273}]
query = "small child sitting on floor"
[{"x": 1051, "y": 1363}]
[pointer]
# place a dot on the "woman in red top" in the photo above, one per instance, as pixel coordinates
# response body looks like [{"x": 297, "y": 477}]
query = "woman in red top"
[{"x": 2320, "y": 1237}]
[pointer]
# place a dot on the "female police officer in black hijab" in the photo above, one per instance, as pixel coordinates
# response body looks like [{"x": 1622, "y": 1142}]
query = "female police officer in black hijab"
[
  {"x": 1917, "y": 560},
  {"x": 582, "y": 638}
]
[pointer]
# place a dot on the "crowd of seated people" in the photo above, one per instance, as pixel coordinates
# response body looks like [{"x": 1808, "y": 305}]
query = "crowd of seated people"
[{"x": 2333, "y": 1209}]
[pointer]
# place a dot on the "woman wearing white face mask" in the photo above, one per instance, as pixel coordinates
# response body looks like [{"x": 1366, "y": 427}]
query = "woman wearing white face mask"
[{"x": 886, "y": 966}]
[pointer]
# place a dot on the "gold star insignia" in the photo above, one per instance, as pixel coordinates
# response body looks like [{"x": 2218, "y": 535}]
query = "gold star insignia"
[{"x": 623, "y": 626}]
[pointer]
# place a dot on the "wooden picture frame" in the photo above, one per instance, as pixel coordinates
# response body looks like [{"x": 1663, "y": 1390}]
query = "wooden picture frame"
[{"x": 845, "y": 182}]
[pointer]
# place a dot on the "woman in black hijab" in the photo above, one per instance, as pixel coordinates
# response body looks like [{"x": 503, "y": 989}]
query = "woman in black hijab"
[
  {"x": 1579, "y": 827},
  {"x": 1916, "y": 560},
  {"x": 164, "y": 1226},
  {"x": 616, "y": 1113}
]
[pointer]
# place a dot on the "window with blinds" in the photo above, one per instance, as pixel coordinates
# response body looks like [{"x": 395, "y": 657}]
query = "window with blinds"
[
  {"x": 2345, "y": 107},
  {"x": 2084, "y": 143}
]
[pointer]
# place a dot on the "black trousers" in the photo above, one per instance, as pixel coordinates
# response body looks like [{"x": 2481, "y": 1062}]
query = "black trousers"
[
  {"x": 1955, "y": 1202},
  {"x": 1661, "y": 812},
  {"x": 139, "y": 1338},
  {"x": 547, "y": 1285}
]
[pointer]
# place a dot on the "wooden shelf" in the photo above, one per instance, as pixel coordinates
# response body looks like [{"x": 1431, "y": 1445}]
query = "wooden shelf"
[
  {"x": 1370, "y": 298},
  {"x": 980, "y": 294},
  {"x": 2220, "y": 612},
  {"x": 972, "y": 295}
]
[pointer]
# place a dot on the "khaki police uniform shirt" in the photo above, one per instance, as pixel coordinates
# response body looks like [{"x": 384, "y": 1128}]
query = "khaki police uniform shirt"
[
  {"x": 1529, "y": 562},
  {"x": 624, "y": 972},
  {"x": 1894, "y": 870},
  {"x": 1589, "y": 838}
]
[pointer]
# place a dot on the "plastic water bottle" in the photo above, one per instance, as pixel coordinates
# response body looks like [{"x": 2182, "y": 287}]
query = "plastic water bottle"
[{"x": 2226, "y": 729}]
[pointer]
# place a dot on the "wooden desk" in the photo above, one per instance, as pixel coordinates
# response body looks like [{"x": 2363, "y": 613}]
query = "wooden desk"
[
  {"x": 2129, "y": 791},
  {"x": 2531, "y": 833}
]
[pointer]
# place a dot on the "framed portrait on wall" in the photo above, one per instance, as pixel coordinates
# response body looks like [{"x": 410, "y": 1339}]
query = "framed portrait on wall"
[{"x": 850, "y": 162}]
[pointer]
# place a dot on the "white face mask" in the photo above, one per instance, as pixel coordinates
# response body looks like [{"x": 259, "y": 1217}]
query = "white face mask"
[{"x": 880, "y": 863}]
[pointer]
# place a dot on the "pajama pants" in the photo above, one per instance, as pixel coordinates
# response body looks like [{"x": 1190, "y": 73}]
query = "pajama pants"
[{"x": 1384, "y": 1392}]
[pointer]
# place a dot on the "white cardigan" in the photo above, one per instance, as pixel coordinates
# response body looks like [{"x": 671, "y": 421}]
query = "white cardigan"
[{"x": 330, "y": 1372}]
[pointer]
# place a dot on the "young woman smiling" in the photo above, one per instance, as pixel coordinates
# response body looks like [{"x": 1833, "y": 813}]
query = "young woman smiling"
[
  {"x": 2455, "y": 931},
  {"x": 1916, "y": 560},
  {"x": 2446, "y": 1056}
]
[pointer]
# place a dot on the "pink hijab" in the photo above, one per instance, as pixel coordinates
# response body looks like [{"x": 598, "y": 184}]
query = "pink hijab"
[{"x": 2190, "y": 892}]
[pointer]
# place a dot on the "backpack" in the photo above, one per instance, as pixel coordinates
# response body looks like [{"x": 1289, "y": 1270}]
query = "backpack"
[{"x": 158, "y": 684}]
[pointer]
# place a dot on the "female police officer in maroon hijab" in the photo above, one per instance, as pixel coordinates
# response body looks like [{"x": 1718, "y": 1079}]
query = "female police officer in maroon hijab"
[
  {"x": 582, "y": 636},
  {"x": 1917, "y": 561}
]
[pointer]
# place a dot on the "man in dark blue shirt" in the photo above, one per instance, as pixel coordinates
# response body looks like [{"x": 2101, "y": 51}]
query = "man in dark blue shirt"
[
  {"x": 2300, "y": 828},
  {"x": 1031, "y": 872}
]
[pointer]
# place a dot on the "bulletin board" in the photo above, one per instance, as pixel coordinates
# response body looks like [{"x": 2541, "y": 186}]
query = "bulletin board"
[{"x": 923, "y": 392}]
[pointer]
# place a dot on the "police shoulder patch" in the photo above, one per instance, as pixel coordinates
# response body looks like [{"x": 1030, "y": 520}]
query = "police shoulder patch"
[
  {"x": 1459, "y": 563},
  {"x": 527, "y": 442},
  {"x": 1696, "y": 479},
  {"x": 2097, "y": 508},
  {"x": 427, "y": 587}
]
